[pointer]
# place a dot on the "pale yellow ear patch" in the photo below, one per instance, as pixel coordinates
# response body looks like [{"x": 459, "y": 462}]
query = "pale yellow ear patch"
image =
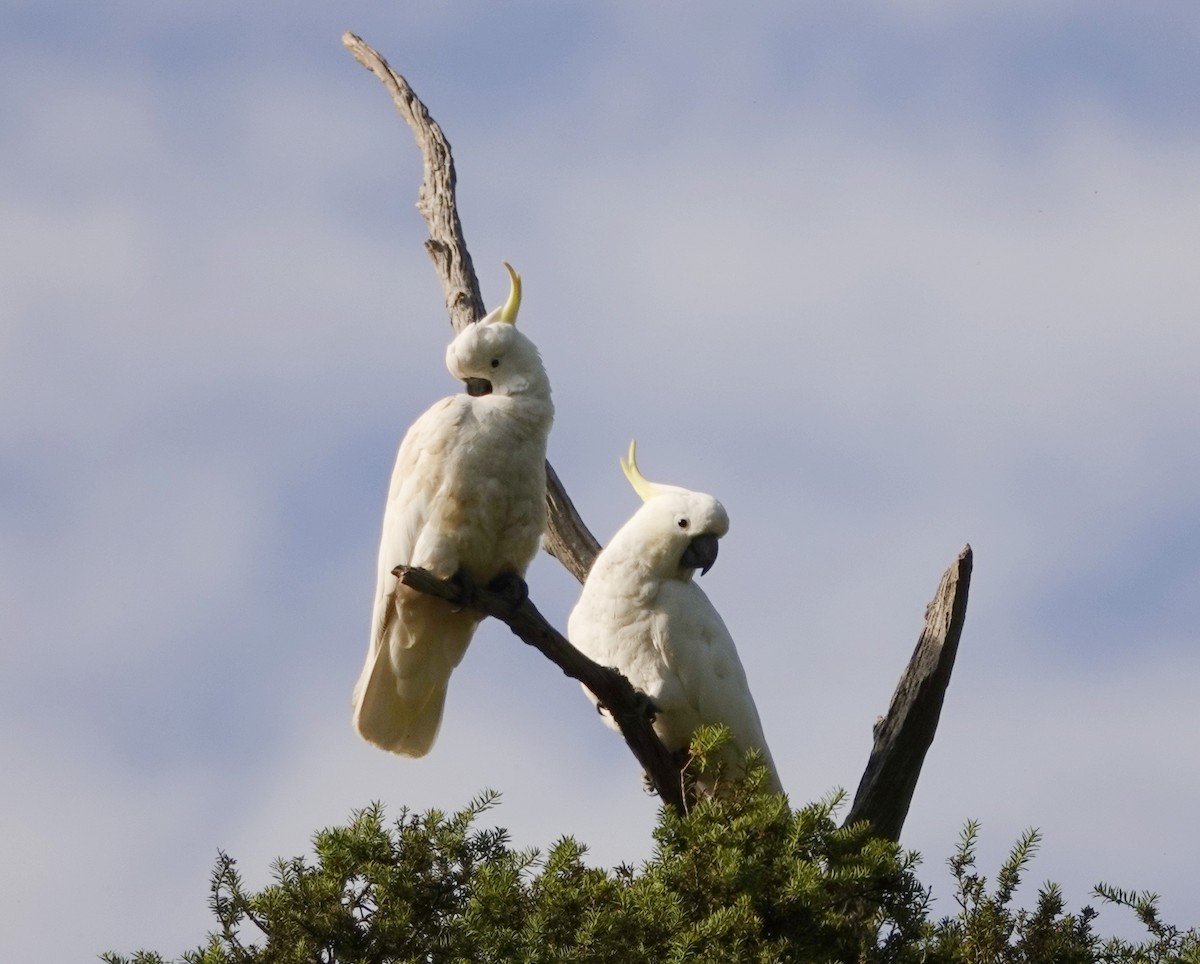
[
  {"x": 643, "y": 487},
  {"x": 509, "y": 312}
]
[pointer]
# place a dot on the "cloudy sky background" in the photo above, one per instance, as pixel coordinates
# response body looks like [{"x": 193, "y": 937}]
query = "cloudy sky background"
[{"x": 887, "y": 278}]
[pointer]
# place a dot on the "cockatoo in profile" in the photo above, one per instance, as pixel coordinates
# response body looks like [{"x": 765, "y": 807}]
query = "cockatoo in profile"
[
  {"x": 642, "y": 614},
  {"x": 467, "y": 500}
]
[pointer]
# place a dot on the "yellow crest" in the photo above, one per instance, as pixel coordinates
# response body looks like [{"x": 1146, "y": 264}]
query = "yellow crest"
[
  {"x": 641, "y": 485},
  {"x": 509, "y": 312}
]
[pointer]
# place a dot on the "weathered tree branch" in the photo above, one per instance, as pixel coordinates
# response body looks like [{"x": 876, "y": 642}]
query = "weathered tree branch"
[
  {"x": 904, "y": 735},
  {"x": 629, "y": 708},
  {"x": 567, "y": 538},
  {"x": 436, "y": 198}
]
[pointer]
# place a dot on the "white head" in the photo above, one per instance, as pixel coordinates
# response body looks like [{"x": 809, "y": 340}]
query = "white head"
[
  {"x": 492, "y": 357},
  {"x": 678, "y": 528}
]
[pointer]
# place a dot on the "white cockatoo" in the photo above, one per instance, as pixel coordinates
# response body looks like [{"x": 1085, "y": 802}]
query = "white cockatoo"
[
  {"x": 468, "y": 500},
  {"x": 642, "y": 614}
]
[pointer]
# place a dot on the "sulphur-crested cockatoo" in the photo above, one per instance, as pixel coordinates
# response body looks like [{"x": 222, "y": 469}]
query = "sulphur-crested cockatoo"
[
  {"x": 642, "y": 613},
  {"x": 467, "y": 499}
]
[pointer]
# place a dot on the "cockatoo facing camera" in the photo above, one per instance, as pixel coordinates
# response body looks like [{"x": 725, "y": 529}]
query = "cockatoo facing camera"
[
  {"x": 642, "y": 613},
  {"x": 467, "y": 499}
]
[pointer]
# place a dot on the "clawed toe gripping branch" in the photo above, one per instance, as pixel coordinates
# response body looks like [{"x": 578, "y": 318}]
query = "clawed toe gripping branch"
[{"x": 901, "y": 738}]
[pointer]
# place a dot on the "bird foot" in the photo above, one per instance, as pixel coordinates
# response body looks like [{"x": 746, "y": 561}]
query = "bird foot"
[
  {"x": 511, "y": 587},
  {"x": 468, "y": 593},
  {"x": 645, "y": 705}
]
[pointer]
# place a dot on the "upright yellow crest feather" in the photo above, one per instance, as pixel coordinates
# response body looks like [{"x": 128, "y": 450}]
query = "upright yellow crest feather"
[
  {"x": 641, "y": 485},
  {"x": 509, "y": 312}
]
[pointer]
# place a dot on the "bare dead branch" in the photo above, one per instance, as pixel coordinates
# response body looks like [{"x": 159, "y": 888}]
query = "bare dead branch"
[
  {"x": 436, "y": 198},
  {"x": 905, "y": 734},
  {"x": 628, "y": 707},
  {"x": 567, "y": 538}
]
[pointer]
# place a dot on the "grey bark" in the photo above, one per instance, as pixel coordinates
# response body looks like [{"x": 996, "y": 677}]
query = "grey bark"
[
  {"x": 436, "y": 199},
  {"x": 904, "y": 735}
]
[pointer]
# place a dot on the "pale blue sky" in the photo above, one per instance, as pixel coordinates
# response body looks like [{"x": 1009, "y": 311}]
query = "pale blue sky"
[{"x": 886, "y": 278}]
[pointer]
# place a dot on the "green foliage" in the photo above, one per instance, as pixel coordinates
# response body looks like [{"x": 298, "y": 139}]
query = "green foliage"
[
  {"x": 1167, "y": 943},
  {"x": 741, "y": 878},
  {"x": 987, "y": 929}
]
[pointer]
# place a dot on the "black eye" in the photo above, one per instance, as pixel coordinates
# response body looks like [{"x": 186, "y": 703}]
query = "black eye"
[
  {"x": 682, "y": 522},
  {"x": 495, "y": 362}
]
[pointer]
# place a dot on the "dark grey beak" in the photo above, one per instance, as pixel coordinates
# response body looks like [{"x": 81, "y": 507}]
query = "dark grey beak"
[
  {"x": 478, "y": 386},
  {"x": 700, "y": 554}
]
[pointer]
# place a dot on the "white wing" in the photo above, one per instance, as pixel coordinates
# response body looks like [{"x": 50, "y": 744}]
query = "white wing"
[
  {"x": 671, "y": 643},
  {"x": 416, "y": 641},
  {"x": 611, "y": 626},
  {"x": 708, "y": 676}
]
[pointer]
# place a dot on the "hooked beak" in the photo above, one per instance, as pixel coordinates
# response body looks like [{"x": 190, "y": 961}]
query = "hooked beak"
[
  {"x": 478, "y": 386},
  {"x": 700, "y": 553}
]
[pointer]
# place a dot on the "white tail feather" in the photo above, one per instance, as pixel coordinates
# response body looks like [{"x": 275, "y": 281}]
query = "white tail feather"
[{"x": 401, "y": 693}]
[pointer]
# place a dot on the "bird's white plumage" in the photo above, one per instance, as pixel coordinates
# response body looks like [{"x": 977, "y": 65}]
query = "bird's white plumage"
[
  {"x": 642, "y": 613},
  {"x": 468, "y": 495}
]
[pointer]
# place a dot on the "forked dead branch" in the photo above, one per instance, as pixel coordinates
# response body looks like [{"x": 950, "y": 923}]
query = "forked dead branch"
[{"x": 901, "y": 738}]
